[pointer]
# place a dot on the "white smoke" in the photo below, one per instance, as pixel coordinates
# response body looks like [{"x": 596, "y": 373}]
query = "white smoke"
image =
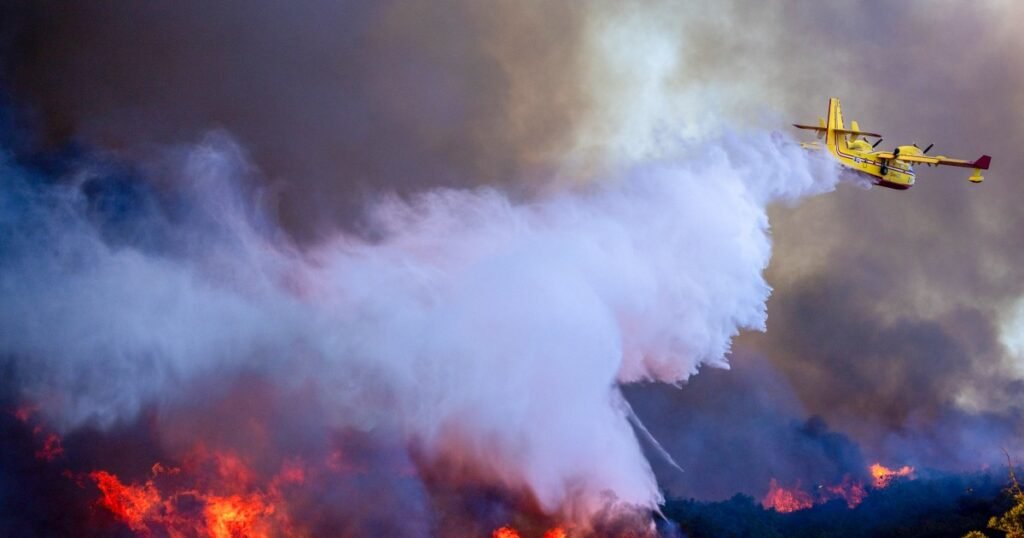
[{"x": 470, "y": 323}]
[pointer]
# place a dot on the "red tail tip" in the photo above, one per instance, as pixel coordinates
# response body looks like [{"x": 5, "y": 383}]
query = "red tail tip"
[{"x": 983, "y": 162}]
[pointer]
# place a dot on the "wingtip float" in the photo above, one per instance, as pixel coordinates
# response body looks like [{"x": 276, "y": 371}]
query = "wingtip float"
[{"x": 893, "y": 169}]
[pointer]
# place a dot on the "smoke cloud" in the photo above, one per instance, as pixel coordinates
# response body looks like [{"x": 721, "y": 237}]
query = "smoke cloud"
[{"x": 895, "y": 316}]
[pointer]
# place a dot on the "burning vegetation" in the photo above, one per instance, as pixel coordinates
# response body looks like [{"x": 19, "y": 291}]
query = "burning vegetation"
[
  {"x": 215, "y": 496},
  {"x": 227, "y": 493},
  {"x": 509, "y": 532},
  {"x": 851, "y": 491},
  {"x": 883, "y": 475},
  {"x": 939, "y": 505},
  {"x": 786, "y": 500},
  {"x": 241, "y": 485}
]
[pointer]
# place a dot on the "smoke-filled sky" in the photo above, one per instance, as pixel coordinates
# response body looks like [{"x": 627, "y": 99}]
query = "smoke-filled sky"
[{"x": 896, "y": 317}]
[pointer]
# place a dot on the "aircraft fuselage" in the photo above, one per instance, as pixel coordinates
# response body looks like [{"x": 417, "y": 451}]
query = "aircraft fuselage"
[{"x": 894, "y": 173}]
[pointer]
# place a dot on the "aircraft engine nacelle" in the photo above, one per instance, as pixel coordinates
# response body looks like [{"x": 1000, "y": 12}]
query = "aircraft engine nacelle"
[{"x": 908, "y": 150}]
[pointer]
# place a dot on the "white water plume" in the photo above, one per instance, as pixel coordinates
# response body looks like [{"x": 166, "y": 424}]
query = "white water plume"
[{"x": 473, "y": 325}]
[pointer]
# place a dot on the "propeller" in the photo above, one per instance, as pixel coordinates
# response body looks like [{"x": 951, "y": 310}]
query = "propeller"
[
  {"x": 875, "y": 145},
  {"x": 927, "y": 148}
]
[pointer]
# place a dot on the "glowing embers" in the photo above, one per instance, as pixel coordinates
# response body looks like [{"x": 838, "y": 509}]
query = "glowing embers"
[
  {"x": 212, "y": 494},
  {"x": 509, "y": 532},
  {"x": 851, "y": 491},
  {"x": 51, "y": 448}
]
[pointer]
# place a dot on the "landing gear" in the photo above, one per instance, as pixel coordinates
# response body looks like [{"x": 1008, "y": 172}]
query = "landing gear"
[{"x": 885, "y": 164}]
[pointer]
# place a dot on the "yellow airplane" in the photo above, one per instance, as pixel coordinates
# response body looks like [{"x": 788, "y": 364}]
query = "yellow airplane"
[{"x": 893, "y": 169}]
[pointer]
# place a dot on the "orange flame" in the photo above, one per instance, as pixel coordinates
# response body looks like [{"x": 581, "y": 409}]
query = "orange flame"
[
  {"x": 557, "y": 532},
  {"x": 851, "y": 491},
  {"x": 231, "y": 506},
  {"x": 505, "y": 532},
  {"x": 883, "y": 475},
  {"x": 509, "y": 532},
  {"x": 786, "y": 500},
  {"x": 132, "y": 504},
  {"x": 237, "y": 515}
]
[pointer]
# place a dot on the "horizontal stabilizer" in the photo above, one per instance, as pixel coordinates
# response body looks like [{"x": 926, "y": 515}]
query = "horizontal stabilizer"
[
  {"x": 840, "y": 131},
  {"x": 858, "y": 133}
]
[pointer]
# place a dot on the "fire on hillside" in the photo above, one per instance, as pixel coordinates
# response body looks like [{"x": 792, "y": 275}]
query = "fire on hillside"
[{"x": 853, "y": 492}]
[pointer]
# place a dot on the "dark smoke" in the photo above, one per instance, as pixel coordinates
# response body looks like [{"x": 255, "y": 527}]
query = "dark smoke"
[
  {"x": 336, "y": 101},
  {"x": 889, "y": 366},
  {"x": 742, "y": 428}
]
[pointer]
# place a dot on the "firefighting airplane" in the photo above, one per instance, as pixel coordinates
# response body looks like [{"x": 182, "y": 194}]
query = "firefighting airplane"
[{"x": 888, "y": 169}]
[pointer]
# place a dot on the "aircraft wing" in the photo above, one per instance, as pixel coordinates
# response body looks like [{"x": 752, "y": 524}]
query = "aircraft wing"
[
  {"x": 840, "y": 131},
  {"x": 981, "y": 163}
]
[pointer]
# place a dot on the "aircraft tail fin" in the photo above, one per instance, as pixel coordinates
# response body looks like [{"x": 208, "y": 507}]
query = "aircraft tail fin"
[
  {"x": 835, "y": 123},
  {"x": 834, "y": 130},
  {"x": 835, "y": 114}
]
